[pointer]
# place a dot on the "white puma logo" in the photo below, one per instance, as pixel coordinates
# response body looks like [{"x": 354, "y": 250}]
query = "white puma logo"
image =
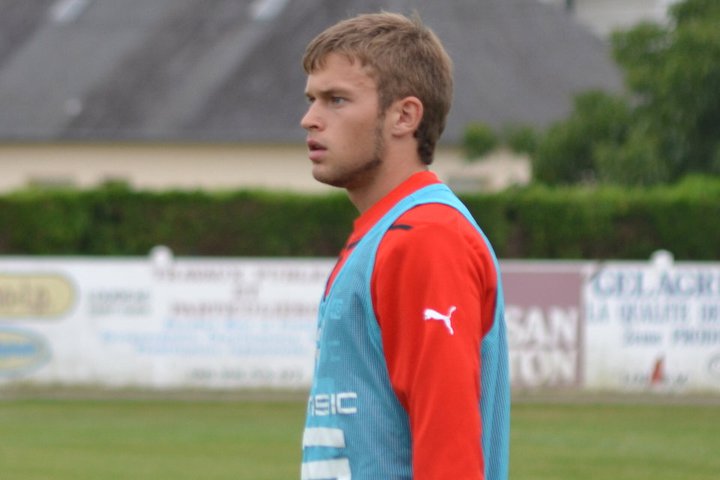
[{"x": 431, "y": 314}]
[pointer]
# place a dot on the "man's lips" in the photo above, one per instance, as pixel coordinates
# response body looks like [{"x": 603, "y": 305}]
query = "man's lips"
[{"x": 315, "y": 150}]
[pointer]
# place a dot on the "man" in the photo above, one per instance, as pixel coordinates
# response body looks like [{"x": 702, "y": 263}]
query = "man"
[{"x": 411, "y": 377}]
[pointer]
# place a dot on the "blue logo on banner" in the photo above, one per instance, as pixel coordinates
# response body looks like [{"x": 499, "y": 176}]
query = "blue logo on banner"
[{"x": 21, "y": 351}]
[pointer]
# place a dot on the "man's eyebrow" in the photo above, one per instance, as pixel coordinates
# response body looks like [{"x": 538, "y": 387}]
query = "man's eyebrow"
[{"x": 327, "y": 92}]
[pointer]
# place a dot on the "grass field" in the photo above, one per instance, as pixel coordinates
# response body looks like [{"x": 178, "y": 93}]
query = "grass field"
[{"x": 260, "y": 440}]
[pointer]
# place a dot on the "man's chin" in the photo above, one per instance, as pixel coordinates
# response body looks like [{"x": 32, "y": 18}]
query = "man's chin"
[{"x": 326, "y": 178}]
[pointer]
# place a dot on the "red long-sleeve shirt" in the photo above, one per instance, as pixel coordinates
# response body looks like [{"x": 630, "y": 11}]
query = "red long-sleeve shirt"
[{"x": 433, "y": 291}]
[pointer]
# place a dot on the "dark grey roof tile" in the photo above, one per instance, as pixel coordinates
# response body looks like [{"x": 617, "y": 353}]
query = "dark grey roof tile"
[{"x": 213, "y": 70}]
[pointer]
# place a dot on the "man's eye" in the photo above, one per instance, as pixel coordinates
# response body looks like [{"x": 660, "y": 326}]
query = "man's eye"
[{"x": 337, "y": 100}]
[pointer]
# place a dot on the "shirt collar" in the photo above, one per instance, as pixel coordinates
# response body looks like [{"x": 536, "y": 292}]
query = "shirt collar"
[{"x": 371, "y": 216}]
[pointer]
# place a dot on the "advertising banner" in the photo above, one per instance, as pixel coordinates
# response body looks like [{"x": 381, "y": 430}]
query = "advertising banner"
[
  {"x": 543, "y": 308},
  {"x": 159, "y": 323},
  {"x": 228, "y": 323},
  {"x": 653, "y": 326}
]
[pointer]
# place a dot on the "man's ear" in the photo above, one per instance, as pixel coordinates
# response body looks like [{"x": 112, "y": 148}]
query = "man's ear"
[{"x": 407, "y": 115}]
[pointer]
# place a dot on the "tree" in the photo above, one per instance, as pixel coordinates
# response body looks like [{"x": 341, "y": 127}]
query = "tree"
[
  {"x": 674, "y": 73},
  {"x": 636, "y": 161},
  {"x": 669, "y": 124},
  {"x": 479, "y": 139},
  {"x": 566, "y": 153}
]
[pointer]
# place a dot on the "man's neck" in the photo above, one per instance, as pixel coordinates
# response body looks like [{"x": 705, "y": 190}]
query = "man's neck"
[{"x": 367, "y": 195}]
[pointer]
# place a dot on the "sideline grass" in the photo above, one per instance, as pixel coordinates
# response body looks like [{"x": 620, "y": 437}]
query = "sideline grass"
[
  {"x": 618, "y": 442},
  {"x": 144, "y": 440},
  {"x": 260, "y": 440}
]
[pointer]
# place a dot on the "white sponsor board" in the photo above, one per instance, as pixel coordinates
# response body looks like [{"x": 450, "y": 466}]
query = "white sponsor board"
[
  {"x": 159, "y": 323},
  {"x": 227, "y": 323},
  {"x": 653, "y": 325}
]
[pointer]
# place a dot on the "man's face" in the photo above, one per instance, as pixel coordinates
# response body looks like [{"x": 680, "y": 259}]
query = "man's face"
[{"x": 345, "y": 130}]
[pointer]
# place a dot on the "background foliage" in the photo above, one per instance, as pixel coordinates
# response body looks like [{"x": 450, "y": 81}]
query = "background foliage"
[
  {"x": 478, "y": 140},
  {"x": 667, "y": 123},
  {"x": 533, "y": 222}
]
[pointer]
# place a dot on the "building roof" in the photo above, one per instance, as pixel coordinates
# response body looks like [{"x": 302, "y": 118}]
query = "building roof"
[{"x": 229, "y": 70}]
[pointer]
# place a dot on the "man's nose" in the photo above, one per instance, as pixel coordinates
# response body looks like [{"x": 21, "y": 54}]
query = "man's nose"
[{"x": 311, "y": 119}]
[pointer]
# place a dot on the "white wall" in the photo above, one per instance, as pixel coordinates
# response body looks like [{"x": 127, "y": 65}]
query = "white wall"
[
  {"x": 215, "y": 167},
  {"x": 155, "y": 167},
  {"x": 604, "y": 16}
]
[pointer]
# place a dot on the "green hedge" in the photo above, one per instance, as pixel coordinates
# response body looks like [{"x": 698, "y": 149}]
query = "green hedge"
[{"x": 535, "y": 222}]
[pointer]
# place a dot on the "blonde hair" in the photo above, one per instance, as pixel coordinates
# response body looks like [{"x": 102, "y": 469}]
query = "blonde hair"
[{"x": 404, "y": 57}]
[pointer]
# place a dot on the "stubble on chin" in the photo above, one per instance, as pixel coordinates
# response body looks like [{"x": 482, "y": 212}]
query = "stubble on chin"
[
  {"x": 357, "y": 175},
  {"x": 360, "y": 175}
]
